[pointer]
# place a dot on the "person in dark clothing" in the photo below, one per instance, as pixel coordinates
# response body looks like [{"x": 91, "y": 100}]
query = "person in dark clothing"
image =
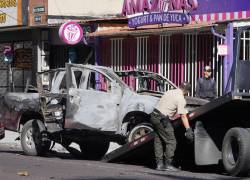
[
  {"x": 206, "y": 86},
  {"x": 170, "y": 104}
]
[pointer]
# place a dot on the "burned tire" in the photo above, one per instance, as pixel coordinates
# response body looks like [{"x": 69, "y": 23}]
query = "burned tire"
[
  {"x": 139, "y": 131},
  {"x": 236, "y": 152},
  {"x": 94, "y": 150},
  {"x": 31, "y": 138}
]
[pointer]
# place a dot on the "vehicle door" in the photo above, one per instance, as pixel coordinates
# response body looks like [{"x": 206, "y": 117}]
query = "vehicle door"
[{"x": 93, "y": 100}]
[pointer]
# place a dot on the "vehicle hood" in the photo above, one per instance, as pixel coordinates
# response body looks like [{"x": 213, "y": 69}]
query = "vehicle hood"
[{"x": 22, "y": 101}]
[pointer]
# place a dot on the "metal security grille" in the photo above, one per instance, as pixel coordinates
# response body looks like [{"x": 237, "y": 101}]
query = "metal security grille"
[
  {"x": 182, "y": 58},
  {"x": 244, "y": 55},
  {"x": 164, "y": 57},
  {"x": 116, "y": 54},
  {"x": 147, "y": 55},
  {"x": 245, "y": 46},
  {"x": 179, "y": 57},
  {"x": 141, "y": 55},
  {"x": 218, "y": 65},
  {"x": 142, "y": 52},
  {"x": 3, "y": 80},
  {"x": 19, "y": 77}
]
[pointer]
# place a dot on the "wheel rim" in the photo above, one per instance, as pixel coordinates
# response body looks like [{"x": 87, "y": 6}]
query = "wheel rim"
[
  {"x": 233, "y": 151},
  {"x": 140, "y": 131},
  {"x": 29, "y": 140}
]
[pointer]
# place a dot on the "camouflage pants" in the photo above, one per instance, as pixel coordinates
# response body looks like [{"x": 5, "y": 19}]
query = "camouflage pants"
[{"x": 164, "y": 142}]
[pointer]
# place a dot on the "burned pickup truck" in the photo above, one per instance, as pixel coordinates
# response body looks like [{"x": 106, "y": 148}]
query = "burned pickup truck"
[{"x": 88, "y": 105}]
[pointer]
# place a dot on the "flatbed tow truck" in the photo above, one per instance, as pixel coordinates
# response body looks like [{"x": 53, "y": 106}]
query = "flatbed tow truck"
[{"x": 222, "y": 128}]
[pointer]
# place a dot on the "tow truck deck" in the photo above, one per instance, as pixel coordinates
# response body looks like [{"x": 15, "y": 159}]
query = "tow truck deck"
[{"x": 136, "y": 150}]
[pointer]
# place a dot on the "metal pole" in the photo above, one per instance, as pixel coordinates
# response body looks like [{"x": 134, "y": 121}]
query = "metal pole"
[
  {"x": 10, "y": 78},
  {"x": 228, "y": 59}
]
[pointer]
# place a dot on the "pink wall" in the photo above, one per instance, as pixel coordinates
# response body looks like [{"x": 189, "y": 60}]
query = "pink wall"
[{"x": 177, "y": 59}]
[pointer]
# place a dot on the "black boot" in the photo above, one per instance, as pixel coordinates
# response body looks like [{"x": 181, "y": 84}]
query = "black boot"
[
  {"x": 160, "y": 165},
  {"x": 169, "y": 167}
]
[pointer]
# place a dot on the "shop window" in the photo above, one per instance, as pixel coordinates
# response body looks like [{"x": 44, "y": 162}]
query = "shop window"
[
  {"x": 22, "y": 55},
  {"x": 19, "y": 55}
]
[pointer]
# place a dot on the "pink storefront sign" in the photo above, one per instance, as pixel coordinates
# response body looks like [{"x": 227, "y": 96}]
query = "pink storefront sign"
[{"x": 71, "y": 33}]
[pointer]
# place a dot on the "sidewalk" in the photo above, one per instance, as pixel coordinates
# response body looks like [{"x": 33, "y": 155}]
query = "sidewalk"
[{"x": 9, "y": 143}]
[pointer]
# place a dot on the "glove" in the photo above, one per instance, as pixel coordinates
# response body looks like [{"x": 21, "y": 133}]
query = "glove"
[{"x": 189, "y": 134}]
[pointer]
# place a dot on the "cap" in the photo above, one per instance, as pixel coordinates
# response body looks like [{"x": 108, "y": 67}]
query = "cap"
[
  {"x": 207, "y": 68},
  {"x": 186, "y": 86}
]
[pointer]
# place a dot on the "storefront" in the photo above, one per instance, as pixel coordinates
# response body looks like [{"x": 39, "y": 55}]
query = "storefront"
[
  {"x": 177, "y": 51},
  {"x": 179, "y": 55},
  {"x": 15, "y": 46},
  {"x": 16, "y": 60}
]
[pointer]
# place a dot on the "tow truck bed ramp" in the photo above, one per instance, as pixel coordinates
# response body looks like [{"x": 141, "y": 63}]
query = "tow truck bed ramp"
[{"x": 135, "y": 151}]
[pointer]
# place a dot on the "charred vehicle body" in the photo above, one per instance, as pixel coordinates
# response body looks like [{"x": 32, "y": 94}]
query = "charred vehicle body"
[
  {"x": 88, "y": 105},
  {"x": 85, "y": 104}
]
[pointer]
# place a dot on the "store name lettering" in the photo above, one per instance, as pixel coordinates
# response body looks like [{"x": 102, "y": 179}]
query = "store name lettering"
[
  {"x": 139, "y": 6},
  {"x": 2, "y": 18},
  {"x": 7, "y": 3},
  {"x": 158, "y": 18}
]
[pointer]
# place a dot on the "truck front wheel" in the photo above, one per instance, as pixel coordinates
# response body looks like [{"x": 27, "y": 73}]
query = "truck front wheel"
[
  {"x": 31, "y": 138},
  {"x": 236, "y": 152},
  {"x": 139, "y": 130}
]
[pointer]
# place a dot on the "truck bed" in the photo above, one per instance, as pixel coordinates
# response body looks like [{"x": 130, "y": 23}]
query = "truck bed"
[{"x": 232, "y": 106}]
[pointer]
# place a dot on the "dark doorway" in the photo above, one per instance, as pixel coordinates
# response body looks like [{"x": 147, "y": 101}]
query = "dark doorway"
[{"x": 61, "y": 54}]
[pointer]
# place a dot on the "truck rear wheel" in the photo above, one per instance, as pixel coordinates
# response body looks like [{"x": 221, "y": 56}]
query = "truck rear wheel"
[
  {"x": 236, "y": 152},
  {"x": 94, "y": 150},
  {"x": 31, "y": 138},
  {"x": 139, "y": 130}
]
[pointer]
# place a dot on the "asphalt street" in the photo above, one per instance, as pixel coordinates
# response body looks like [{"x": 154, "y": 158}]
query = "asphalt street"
[{"x": 58, "y": 164}]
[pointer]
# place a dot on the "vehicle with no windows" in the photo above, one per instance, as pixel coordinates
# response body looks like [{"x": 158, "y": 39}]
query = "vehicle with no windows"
[{"x": 85, "y": 104}]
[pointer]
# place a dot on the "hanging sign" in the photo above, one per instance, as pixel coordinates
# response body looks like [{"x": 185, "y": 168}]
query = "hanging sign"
[
  {"x": 8, "y": 54},
  {"x": 71, "y": 33},
  {"x": 222, "y": 50},
  {"x": 158, "y": 18}
]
